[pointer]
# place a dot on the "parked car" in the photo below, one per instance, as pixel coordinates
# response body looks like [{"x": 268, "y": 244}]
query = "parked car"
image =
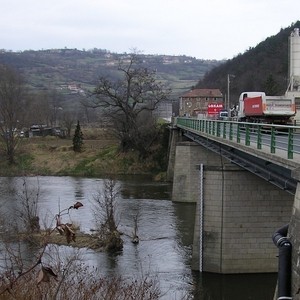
[{"x": 223, "y": 115}]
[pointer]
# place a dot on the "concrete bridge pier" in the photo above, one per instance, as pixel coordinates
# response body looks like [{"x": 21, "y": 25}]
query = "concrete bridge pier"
[
  {"x": 236, "y": 214},
  {"x": 294, "y": 236}
]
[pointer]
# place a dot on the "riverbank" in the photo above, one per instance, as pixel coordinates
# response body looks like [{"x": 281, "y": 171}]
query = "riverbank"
[{"x": 53, "y": 156}]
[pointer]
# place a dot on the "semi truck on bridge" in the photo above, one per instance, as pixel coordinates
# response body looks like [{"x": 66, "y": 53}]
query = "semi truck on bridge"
[{"x": 257, "y": 107}]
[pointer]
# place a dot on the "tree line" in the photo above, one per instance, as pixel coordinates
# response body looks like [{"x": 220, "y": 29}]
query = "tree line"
[{"x": 128, "y": 102}]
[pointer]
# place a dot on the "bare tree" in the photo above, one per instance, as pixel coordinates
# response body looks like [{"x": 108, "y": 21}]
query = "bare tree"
[
  {"x": 68, "y": 122},
  {"x": 105, "y": 206},
  {"x": 129, "y": 103},
  {"x": 29, "y": 198},
  {"x": 15, "y": 268},
  {"x": 55, "y": 100},
  {"x": 12, "y": 107},
  {"x": 105, "y": 215},
  {"x": 39, "y": 110},
  {"x": 58, "y": 275}
]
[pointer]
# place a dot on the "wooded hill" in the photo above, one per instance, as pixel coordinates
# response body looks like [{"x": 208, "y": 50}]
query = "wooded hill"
[
  {"x": 261, "y": 68},
  {"x": 72, "y": 70}
]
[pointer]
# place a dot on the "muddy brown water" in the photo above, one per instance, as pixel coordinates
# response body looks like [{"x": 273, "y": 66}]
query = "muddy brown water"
[{"x": 165, "y": 229}]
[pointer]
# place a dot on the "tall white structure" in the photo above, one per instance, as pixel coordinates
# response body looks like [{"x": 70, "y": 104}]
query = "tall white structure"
[
  {"x": 293, "y": 89},
  {"x": 294, "y": 61}
]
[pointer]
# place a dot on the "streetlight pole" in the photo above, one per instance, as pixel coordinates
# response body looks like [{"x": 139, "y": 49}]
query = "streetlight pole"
[
  {"x": 228, "y": 90},
  {"x": 228, "y": 85}
]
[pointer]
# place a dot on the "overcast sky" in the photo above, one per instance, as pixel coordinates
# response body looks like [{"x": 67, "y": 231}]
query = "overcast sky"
[{"x": 205, "y": 29}]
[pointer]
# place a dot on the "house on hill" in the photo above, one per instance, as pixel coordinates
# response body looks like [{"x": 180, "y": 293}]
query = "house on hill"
[{"x": 196, "y": 102}]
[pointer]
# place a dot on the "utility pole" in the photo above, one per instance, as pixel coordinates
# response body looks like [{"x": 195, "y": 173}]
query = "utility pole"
[
  {"x": 228, "y": 90},
  {"x": 228, "y": 85}
]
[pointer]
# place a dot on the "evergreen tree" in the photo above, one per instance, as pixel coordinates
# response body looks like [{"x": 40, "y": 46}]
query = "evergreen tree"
[
  {"x": 271, "y": 86},
  {"x": 78, "y": 139}
]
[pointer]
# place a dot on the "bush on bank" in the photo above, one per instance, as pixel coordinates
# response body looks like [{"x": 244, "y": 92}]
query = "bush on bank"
[{"x": 78, "y": 282}]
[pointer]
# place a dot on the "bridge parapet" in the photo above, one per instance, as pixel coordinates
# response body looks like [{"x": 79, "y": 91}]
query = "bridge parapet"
[{"x": 278, "y": 142}]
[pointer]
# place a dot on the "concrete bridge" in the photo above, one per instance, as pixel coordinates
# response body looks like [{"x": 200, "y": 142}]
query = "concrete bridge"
[{"x": 245, "y": 180}]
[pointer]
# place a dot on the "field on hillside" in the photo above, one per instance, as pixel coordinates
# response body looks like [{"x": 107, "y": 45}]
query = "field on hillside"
[{"x": 100, "y": 156}]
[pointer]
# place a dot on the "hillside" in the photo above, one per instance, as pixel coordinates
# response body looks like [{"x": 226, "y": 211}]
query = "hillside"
[
  {"x": 261, "y": 68},
  {"x": 71, "y": 71}
]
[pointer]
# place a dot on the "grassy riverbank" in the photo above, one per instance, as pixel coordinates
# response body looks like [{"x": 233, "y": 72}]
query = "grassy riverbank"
[{"x": 100, "y": 157}]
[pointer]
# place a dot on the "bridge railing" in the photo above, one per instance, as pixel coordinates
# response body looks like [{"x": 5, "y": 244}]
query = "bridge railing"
[{"x": 268, "y": 136}]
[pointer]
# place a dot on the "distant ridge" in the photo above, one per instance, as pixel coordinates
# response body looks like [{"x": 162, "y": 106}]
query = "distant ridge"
[
  {"x": 70, "y": 72},
  {"x": 58, "y": 68}
]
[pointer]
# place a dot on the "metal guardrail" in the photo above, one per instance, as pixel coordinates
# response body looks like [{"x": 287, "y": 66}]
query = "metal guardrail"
[{"x": 273, "y": 137}]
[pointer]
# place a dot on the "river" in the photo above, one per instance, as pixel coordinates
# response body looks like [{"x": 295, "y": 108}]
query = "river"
[{"x": 165, "y": 229}]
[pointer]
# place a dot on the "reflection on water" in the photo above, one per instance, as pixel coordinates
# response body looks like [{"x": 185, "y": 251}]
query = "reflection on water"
[
  {"x": 165, "y": 230},
  {"x": 208, "y": 286}
]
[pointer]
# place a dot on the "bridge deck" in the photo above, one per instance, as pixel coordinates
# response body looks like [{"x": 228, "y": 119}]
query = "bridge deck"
[{"x": 271, "y": 152}]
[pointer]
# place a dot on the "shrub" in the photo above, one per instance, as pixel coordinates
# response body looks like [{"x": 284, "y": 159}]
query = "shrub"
[{"x": 78, "y": 139}]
